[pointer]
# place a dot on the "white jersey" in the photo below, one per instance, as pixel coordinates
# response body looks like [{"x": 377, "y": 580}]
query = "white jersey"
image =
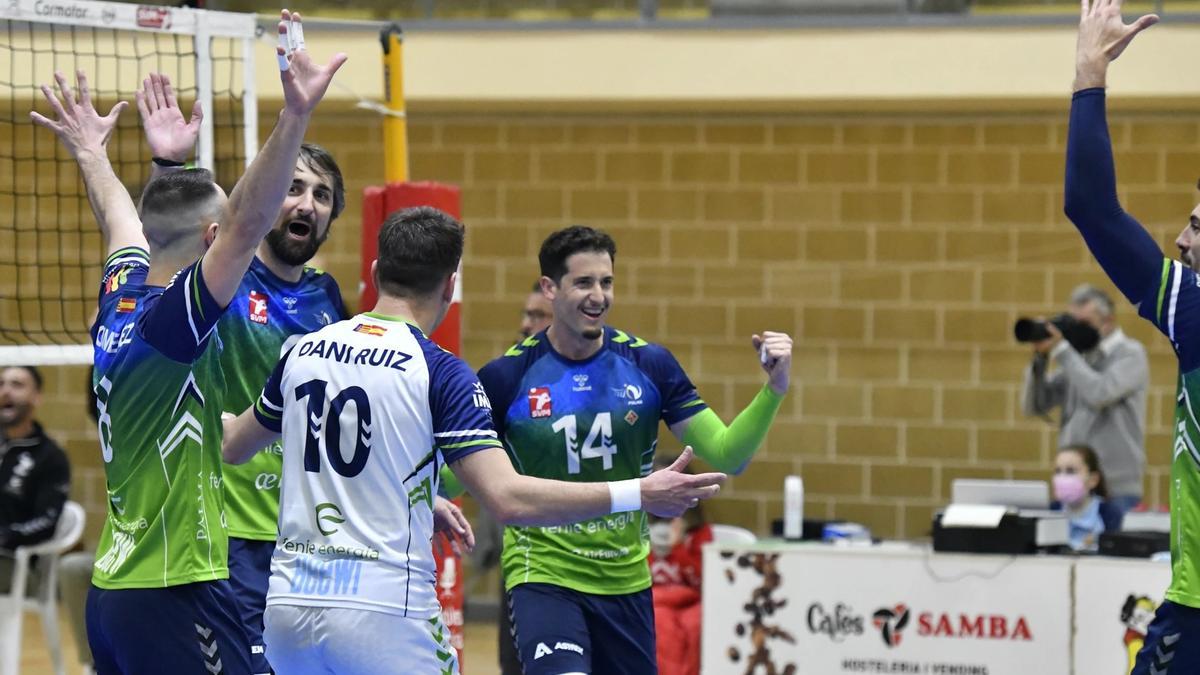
[{"x": 369, "y": 409}]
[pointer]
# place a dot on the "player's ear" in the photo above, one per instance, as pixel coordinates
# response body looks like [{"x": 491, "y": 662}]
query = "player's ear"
[
  {"x": 210, "y": 234},
  {"x": 375, "y": 274},
  {"x": 548, "y": 287},
  {"x": 448, "y": 291}
]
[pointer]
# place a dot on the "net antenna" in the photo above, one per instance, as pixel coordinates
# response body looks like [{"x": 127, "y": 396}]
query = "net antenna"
[{"x": 50, "y": 248}]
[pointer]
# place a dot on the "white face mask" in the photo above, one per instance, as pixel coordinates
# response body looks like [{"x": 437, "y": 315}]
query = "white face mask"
[{"x": 661, "y": 535}]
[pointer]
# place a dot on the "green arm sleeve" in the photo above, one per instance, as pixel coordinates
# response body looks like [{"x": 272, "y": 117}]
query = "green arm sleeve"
[
  {"x": 450, "y": 488},
  {"x": 729, "y": 449}
]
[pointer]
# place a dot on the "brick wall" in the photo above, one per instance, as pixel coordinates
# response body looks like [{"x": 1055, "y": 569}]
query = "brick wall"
[{"x": 897, "y": 249}]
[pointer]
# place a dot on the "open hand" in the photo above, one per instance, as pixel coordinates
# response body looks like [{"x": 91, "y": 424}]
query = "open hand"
[
  {"x": 450, "y": 525},
  {"x": 1103, "y": 35},
  {"x": 168, "y": 134},
  {"x": 76, "y": 123},
  {"x": 669, "y": 492},
  {"x": 304, "y": 82}
]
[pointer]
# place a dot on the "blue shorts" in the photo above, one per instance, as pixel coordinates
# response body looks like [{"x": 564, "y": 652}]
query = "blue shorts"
[
  {"x": 249, "y": 572},
  {"x": 1172, "y": 643},
  {"x": 555, "y": 629},
  {"x": 188, "y": 629}
]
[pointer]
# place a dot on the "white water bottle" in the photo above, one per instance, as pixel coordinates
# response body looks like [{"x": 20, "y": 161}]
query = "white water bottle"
[{"x": 793, "y": 508}]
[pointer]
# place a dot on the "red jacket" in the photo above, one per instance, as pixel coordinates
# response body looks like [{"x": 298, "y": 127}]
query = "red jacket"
[{"x": 677, "y": 575}]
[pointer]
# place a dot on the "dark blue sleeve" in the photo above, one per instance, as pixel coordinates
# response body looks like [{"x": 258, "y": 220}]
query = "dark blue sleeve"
[
  {"x": 181, "y": 321},
  {"x": 462, "y": 413},
  {"x": 680, "y": 400},
  {"x": 268, "y": 410},
  {"x": 1126, "y": 252},
  {"x": 500, "y": 380}
]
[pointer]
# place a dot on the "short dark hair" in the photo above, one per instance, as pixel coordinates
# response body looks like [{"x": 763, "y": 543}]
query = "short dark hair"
[
  {"x": 165, "y": 197},
  {"x": 178, "y": 189},
  {"x": 33, "y": 373},
  {"x": 418, "y": 249},
  {"x": 318, "y": 160},
  {"x": 567, "y": 242}
]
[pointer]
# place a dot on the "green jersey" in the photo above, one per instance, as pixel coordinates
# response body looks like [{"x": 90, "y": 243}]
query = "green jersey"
[
  {"x": 1175, "y": 310},
  {"x": 587, "y": 421},
  {"x": 266, "y": 314},
  {"x": 158, "y": 390}
]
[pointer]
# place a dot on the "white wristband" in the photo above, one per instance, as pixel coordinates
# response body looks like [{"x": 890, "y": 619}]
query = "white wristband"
[{"x": 626, "y": 495}]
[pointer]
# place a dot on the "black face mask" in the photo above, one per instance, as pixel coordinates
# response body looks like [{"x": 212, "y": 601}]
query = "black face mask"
[{"x": 1082, "y": 336}]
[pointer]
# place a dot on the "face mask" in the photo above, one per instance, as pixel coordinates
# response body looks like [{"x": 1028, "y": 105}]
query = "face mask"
[
  {"x": 661, "y": 535},
  {"x": 1069, "y": 488}
]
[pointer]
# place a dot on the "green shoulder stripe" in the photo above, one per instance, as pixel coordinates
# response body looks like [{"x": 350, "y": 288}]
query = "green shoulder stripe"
[
  {"x": 127, "y": 251},
  {"x": 516, "y": 350},
  {"x": 196, "y": 288},
  {"x": 622, "y": 337},
  {"x": 491, "y": 442},
  {"x": 1162, "y": 288},
  {"x": 264, "y": 412}
]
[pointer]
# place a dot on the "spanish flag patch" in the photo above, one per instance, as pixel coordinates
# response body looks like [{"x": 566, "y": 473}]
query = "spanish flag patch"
[
  {"x": 370, "y": 329},
  {"x": 126, "y": 305}
]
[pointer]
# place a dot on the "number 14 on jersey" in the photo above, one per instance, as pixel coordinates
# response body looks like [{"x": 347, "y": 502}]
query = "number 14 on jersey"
[{"x": 598, "y": 444}]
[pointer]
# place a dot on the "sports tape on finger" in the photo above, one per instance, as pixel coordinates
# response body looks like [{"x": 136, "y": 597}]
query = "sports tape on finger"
[
  {"x": 283, "y": 44},
  {"x": 297, "y": 34}
]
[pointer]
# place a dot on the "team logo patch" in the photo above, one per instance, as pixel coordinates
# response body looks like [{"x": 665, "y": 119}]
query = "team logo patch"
[
  {"x": 258, "y": 307},
  {"x": 631, "y": 418},
  {"x": 126, "y": 305},
  {"x": 117, "y": 279},
  {"x": 539, "y": 402},
  {"x": 290, "y": 301},
  {"x": 370, "y": 329}
]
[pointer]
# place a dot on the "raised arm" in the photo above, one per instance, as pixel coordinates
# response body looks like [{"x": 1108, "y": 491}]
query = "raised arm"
[
  {"x": 730, "y": 448},
  {"x": 172, "y": 139},
  {"x": 84, "y": 133},
  {"x": 255, "y": 201},
  {"x": 1126, "y": 252}
]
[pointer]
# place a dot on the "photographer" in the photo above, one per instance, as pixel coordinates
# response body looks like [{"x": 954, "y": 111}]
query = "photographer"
[{"x": 1100, "y": 382}]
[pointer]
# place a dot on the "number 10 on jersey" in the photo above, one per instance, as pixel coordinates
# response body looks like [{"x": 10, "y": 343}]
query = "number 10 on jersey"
[
  {"x": 322, "y": 420},
  {"x": 598, "y": 444}
]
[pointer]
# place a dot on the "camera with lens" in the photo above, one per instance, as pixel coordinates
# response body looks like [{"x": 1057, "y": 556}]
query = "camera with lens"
[{"x": 1082, "y": 336}]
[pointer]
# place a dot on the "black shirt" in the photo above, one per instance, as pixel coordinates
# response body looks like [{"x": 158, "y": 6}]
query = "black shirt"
[{"x": 35, "y": 478}]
